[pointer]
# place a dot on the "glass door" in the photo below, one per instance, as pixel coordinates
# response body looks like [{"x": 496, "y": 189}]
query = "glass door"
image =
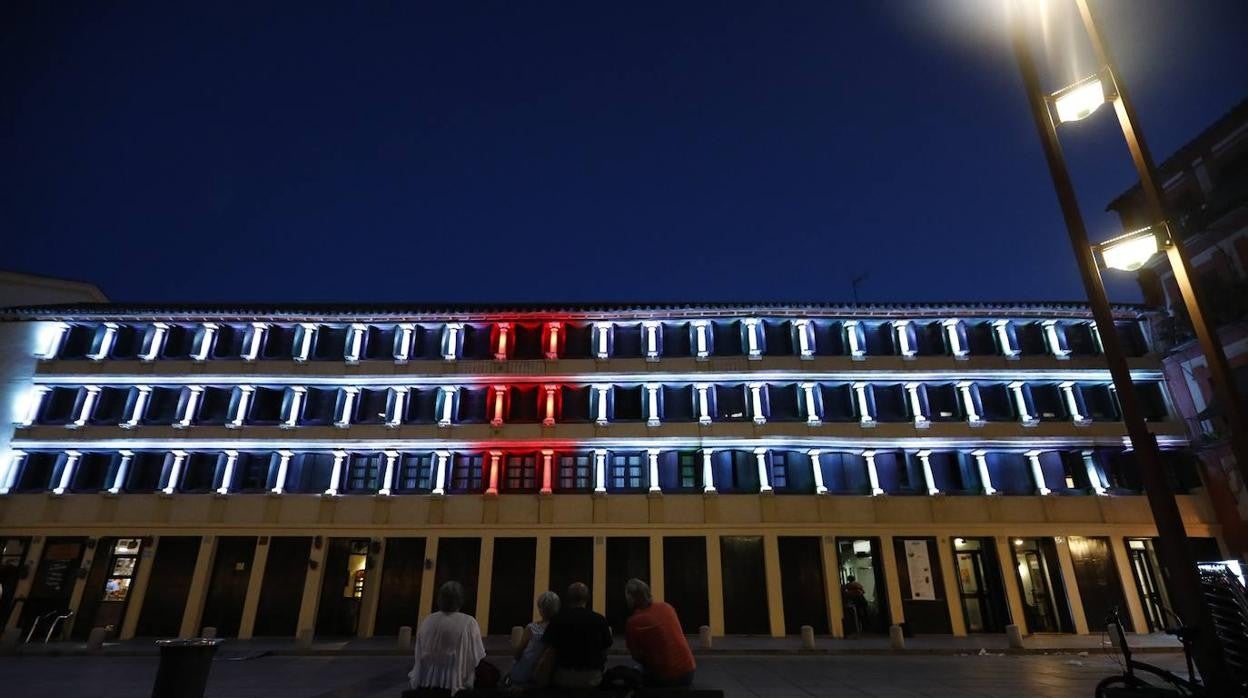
[
  {"x": 1040, "y": 583},
  {"x": 1142, "y": 568}
]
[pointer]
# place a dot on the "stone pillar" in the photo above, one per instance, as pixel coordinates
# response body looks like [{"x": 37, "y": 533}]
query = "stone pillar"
[
  {"x": 138, "y": 589},
  {"x": 485, "y": 576},
  {"x": 600, "y": 574},
  {"x": 892, "y": 584},
  {"x": 372, "y": 589},
  {"x": 306, "y": 625},
  {"x": 1067, "y": 566},
  {"x": 34, "y": 554},
  {"x": 541, "y": 571},
  {"x": 953, "y": 592},
  {"x": 198, "y": 592},
  {"x": 832, "y": 586},
  {"x": 255, "y": 584},
  {"x": 428, "y": 577},
  {"x": 656, "y": 567},
  {"x": 1009, "y": 577},
  {"x": 1126, "y": 575},
  {"x": 715, "y": 585}
]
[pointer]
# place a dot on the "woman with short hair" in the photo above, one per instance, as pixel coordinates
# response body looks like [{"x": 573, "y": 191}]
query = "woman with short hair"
[
  {"x": 448, "y": 645},
  {"x": 529, "y": 652}
]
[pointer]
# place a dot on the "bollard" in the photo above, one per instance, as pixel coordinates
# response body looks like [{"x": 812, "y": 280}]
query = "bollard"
[
  {"x": 184, "y": 667},
  {"x": 209, "y": 633},
  {"x": 405, "y": 638},
  {"x": 517, "y": 634},
  {"x": 303, "y": 639},
  {"x": 808, "y": 637},
  {"x": 1014, "y": 636},
  {"x": 704, "y": 635},
  {"x": 896, "y": 639},
  {"x": 9, "y": 640},
  {"x": 95, "y": 641}
]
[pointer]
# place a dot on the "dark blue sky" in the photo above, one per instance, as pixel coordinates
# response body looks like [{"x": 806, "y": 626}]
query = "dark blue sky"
[{"x": 567, "y": 151}]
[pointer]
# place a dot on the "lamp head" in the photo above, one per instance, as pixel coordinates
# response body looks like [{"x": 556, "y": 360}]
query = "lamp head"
[
  {"x": 1131, "y": 251},
  {"x": 1079, "y": 100}
]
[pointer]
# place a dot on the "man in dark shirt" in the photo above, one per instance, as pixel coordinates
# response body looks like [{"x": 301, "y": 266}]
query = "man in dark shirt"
[{"x": 579, "y": 639}]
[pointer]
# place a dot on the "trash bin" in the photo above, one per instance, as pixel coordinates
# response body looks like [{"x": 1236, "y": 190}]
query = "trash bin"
[{"x": 184, "y": 667}]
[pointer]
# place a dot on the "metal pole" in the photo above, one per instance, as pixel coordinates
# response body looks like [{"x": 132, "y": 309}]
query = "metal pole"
[
  {"x": 1224, "y": 389},
  {"x": 1178, "y": 569}
]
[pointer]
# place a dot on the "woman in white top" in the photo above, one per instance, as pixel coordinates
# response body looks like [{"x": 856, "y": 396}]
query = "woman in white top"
[
  {"x": 448, "y": 645},
  {"x": 531, "y": 647}
]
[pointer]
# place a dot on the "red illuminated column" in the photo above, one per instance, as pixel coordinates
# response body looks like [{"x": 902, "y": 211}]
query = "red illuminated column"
[
  {"x": 550, "y": 405},
  {"x": 504, "y": 336},
  {"x": 548, "y": 457},
  {"x": 500, "y": 405},
  {"x": 553, "y": 337},
  {"x": 496, "y": 458}
]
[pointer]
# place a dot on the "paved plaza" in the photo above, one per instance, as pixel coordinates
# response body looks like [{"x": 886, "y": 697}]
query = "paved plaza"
[{"x": 781, "y": 676}]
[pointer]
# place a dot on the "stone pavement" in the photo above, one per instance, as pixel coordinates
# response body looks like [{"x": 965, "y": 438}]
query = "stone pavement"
[{"x": 742, "y": 676}]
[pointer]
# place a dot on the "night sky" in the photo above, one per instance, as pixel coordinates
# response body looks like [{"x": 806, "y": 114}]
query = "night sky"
[{"x": 575, "y": 151}]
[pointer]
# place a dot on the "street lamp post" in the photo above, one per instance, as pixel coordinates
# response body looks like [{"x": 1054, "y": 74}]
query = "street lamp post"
[
  {"x": 1224, "y": 389},
  {"x": 1179, "y": 569}
]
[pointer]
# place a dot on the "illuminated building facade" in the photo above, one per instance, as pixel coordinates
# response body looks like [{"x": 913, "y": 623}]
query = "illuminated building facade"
[{"x": 299, "y": 472}]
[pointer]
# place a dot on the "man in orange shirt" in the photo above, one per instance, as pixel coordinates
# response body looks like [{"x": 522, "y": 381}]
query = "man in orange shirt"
[{"x": 655, "y": 638}]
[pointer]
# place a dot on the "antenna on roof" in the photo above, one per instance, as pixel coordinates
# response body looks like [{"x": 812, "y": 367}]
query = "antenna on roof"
[{"x": 853, "y": 284}]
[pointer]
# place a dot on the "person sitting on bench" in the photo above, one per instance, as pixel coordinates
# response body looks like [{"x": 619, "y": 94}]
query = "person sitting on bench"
[
  {"x": 577, "y": 640},
  {"x": 655, "y": 638}
]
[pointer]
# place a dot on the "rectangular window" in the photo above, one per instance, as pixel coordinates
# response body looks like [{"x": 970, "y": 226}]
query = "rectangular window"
[
  {"x": 730, "y": 403},
  {"x": 466, "y": 472},
  {"x": 627, "y": 472},
  {"x": 110, "y": 406},
  {"x": 95, "y": 472},
  {"x": 520, "y": 473},
  {"x": 779, "y": 470},
  {"x": 574, "y": 472},
  {"x": 279, "y": 343},
  {"x": 251, "y": 472},
  {"x": 942, "y": 402},
  {"x": 199, "y": 472},
  {"x": 416, "y": 472},
  {"x": 364, "y": 471},
  {"x": 628, "y": 403},
  {"x": 146, "y": 469},
  {"x": 266, "y": 406},
  {"x": 214, "y": 406},
  {"x": 688, "y": 466}
]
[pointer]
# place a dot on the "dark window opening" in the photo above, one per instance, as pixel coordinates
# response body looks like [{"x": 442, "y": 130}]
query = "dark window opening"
[
  {"x": 251, "y": 472},
  {"x": 575, "y": 402},
  {"x": 38, "y": 470},
  {"x": 628, "y": 403},
  {"x": 930, "y": 339},
  {"x": 524, "y": 407},
  {"x": 199, "y": 472},
  {"x": 996, "y": 404},
  {"x": 839, "y": 402},
  {"x": 110, "y": 406},
  {"x": 881, "y": 339},
  {"x": 981, "y": 339},
  {"x": 574, "y": 472},
  {"x": 829, "y": 338},
  {"x": 735, "y": 471},
  {"x": 95, "y": 472},
  {"x": 1152, "y": 401},
  {"x": 1099, "y": 402},
  {"x": 942, "y": 403},
  {"x": 147, "y": 468},
  {"x": 627, "y": 472},
  {"x": 380, "y": 343},
  {"x": 422, "y": 406},
  {"x": 279, "y": 343},
  {"x": 678, "y": 403},
  {"x": 364, "y": 472},
  {"x": 1048, "y": 402},
  {"x": 128, "y": 341},
  {"x": 1079, "y": 339},
  {"x": 676, "y": 340},
  {"x": 266, "y": 405},
  {"x": 466, "y": 473},
  {"x": 778, "y": 337},
  {"x": 371, "y": 405},
  {"x": 61, "y": 405},
  {"x": 77, "y": 342},
  {"x": 416, "y": 472},
  {"x": 330, "y": 344},
  {"x": 627, "y": 341},
  {"x": 472, "y": 405},
  {"x": 578, "y": 340},
  {"x": 521, "y": 473},
  {"x": 731, "y": 403},
  {"x": 319, "y": 406},
  {"x": 214, "y": 406},
  {"x": 162, "y": 406},
  {"x": 1030, "y": 336},
  {"x": 228, "y": 342},
  {"x": 476, "y": 342},
  {"x": 527, "y": 342},
  {"x": 310, "y": 473},
  {"x": 785, "y": 402},
  {"x": 890, "y": 402},
  {"x": 727, "y": 338}
]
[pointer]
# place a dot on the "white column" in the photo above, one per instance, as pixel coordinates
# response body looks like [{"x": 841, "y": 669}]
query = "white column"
[
  {"x": 764, "y": 477},
  {"x": 985, "y": 478},
  {"x": 753, "y": 345},
  {"x": 496, "y": 458},
  {"x": 51, "y": 344},
  {"x": 600, "y": 416},
  {"x": 708, "y": 472},
  {"x": 106, "y": 342},
  {"x": 335, "y": 477},
  {"x": 925, "y": 460},
  {"x": 600, "y": 470},
  {"x": 398, "y": 404},
  {"x": 548, "y": 419},
  {"x": 1094, "y": 475},
  {"x": 1096, "y": 337},
  {"x": 295, "y": 408},
  {"x": 67, "y": 473},
  {"x": 123, "y": 469},
  {"x": 1020, "y": 401},
  {"x": 653, "y": 453},
  {"x": 808, "y": 398},
  {"x": 916, "y": 406},
  {"x": 34, "y": 403},
  {"x": 652, "y": 404},
  {"x": 805, "y": 339},
  {"x": 8, "y": 473},
  {"x": 403, "y": 347},
  {"x": 548, "y": 470},
  {"x": 1002, "y": 328},
  {"x": 255, "y": 339},
  {"x": 448, "y": 405},
  {"x": 500, "y": 396},
  {"x": 1037, "y": 472},
  {"x": 865, "y": 418},
  {"x": 1053, "y": 340},
  {"x": 704, "y": 404},
  {"x": 651, "y": 328},
  {"x": 756, "y": 403},
  {"x": 439, "y": 482},
  {"x": 88, "y": 404},
  {"x": 205, "y": 342},
  {"x": 873, "y": 475},
  {"x": 245, "y": 393},
  {"x": 857, "y": 350},
  {"x": 155, "y": 342},
  {"x": 175, "y": 472},
  {"x": 193, "y": 395},
  {"x": 387, "y": 478},
  {"x": 817, "y": 469},
  {"x": 343, "y": 419},
  {"x": 701, "y": 342},
  {"x": 504, "y": 337},
  {"x": 142, "y": 394},
  {"x": 451, "y": 350},
  {"x": 901, "y": 327},
  {"x": 968, "y": 404},
  {"x": 1072, "y": 403},
  {"x": 355, "y": 342},
  {"x": 602, "y": 340},
  {"x": 552, "y": 341},
  {"x": 231, "y": 460},
  {"x": 952, "y": 327},
  {"x": 283, "y": 464},
  {"x": 303, "y": 341}
]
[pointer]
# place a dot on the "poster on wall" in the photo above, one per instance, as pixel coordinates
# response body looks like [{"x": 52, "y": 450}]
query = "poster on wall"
[{"x": 920, "y": 568}]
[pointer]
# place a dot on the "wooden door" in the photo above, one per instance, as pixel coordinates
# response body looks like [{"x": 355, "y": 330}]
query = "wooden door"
[
  {"x": 1099, "y": 584},
  {"x": 571, "y": 560},
  {"x": 802, "y": 584},
  {"x": 281, "y": 588},
  {"x": 745, "y": 585},
  {"x": 402, "y": 574},
  {"x": 459, "y": 559},
  {"x": 227, "y": 587},
  {"x": 684, "y": 581},
  {"x": 168, "y": 587},
  {"x": 511, "y": 584},
  {"x": 626, "y": 558}
]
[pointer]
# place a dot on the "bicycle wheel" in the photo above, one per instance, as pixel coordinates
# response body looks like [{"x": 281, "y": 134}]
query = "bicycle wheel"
[{"x": 1102, "y": 688}]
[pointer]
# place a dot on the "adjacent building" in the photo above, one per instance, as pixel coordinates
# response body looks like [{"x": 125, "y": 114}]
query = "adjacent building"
[{"x": 318, "y": 471}]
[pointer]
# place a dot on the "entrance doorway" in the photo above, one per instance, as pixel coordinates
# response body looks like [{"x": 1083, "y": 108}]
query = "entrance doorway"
[
  {"x": 346, "y": 565},
  {"x": 979, "y": 585},
  {"x": 1099, "y": 584},
  {"x": 860, "y": 568},
  {"x": 801, "y": 584},
  {"x": 511, "y": 584},
  {"x": 684, "y": 581},
  {"x": 1147, "y": 574},
  {"x": 108, "y": 586},
  {"x": 1045, "y": 608},
  {"x": 626, "y": 558},
  {"x": 227, "y": 588}
]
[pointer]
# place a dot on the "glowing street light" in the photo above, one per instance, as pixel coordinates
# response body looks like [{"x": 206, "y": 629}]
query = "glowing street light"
[
  {"x": 1131, "y": 251},
  {"x": 1079, "y": 100}
]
